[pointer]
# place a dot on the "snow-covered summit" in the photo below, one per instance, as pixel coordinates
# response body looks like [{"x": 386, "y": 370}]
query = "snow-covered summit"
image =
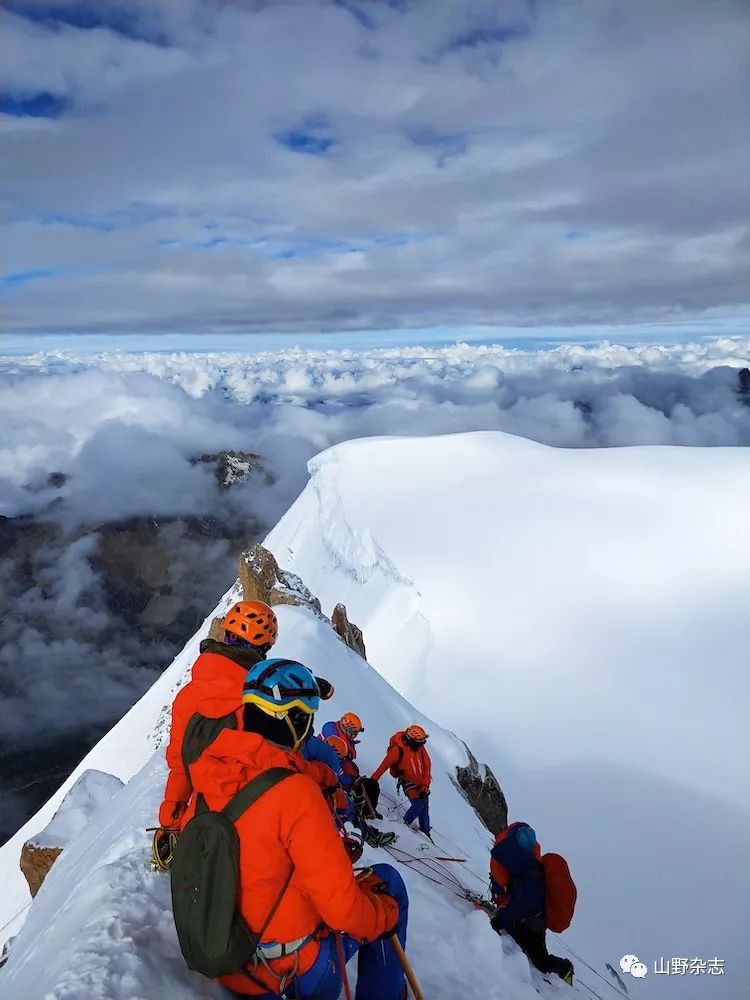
[{"x": 579, "y": 617}]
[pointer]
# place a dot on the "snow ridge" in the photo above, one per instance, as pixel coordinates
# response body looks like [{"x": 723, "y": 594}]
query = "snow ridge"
[
  {"x": 360, "y": 557},
  {"x": 357, "y": 553}
]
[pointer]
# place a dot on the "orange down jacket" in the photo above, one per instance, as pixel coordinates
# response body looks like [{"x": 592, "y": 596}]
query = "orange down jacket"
[
  {"x": 290, "y": 827},
  {"x": 412, "y": 766},
  {"x": 215, "y": 690}
]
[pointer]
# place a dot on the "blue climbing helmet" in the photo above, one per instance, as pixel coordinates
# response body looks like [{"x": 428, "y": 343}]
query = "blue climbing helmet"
[
  {"x": 525, "y": 837},
  {"x": 277, "y": 686}
]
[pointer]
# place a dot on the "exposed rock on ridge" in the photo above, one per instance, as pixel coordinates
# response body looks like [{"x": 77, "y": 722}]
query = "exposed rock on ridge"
[
  {"x": 36, "y": 863},
  {"x": 482, "y": 790},
  {"x": 262, "y": 579},
  {"x": 349, "y": 632},
  {"x": 233, "y": 467}
]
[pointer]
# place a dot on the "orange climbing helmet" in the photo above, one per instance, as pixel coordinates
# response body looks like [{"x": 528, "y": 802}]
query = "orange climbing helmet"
[
  {"x": 416, "y": 734},
  {"x": 252, "y": 621},
  {"x": 339, "y": 745},
  {"x": 351, "y": 724}
]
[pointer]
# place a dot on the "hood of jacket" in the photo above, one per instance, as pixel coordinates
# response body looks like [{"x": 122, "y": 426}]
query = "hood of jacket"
[
  {"x": 234, "y": 758},
  {"x": 218, "y": 676}
]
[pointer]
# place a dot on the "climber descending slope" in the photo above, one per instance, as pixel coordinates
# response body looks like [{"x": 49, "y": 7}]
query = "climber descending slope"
[
  {"x": 409, "y": 763},
  {"x": 364, "y": 791},
  {"x": 533, "y": 893},
  {"x": 295, "y": 879}
]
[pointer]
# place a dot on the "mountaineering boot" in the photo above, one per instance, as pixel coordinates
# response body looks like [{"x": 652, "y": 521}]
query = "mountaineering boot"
[
  {"x": 567, "y": 977},
  {"x": 377, "y": 838}
]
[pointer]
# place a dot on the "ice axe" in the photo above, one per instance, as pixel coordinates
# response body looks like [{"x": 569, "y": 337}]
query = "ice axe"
[{"x": 406, "y": 966}]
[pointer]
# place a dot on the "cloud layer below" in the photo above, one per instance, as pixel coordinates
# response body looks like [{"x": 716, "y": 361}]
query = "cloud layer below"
[{"x": 125, "y": 426}]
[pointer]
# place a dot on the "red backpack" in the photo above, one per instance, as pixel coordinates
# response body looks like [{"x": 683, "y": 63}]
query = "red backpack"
[
  {"x": 395, "y": 741},
  {"x": 560, "y": 892}
]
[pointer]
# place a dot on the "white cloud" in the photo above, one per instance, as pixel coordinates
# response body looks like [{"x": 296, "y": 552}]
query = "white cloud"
[{"x": 125, "y": 426}]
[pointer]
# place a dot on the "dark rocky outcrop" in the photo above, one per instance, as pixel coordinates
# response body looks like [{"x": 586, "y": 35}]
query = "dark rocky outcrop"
[
  {"x": 349, "y": 632},
  {"x": 145, "y": 564},
  {"x": 482, "y": 790},
  {"x": 743, "y": 385},
  {"x": 234, "y": 467}
]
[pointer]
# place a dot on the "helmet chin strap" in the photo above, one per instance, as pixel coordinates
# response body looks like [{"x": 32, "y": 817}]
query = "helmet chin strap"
[{"x": 299, "y": 739}]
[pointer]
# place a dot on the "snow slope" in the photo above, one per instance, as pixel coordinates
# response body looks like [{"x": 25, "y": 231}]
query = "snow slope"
[
  {"x": 580, "y": 618},
  {"x": 101, "y": 925}
]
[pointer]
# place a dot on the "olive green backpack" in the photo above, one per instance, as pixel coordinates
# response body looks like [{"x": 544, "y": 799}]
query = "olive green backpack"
[{"x": 214, "y": 938}]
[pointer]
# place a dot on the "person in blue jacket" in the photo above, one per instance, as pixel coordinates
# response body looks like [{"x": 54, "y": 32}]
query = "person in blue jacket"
[
  {"x": 315, "y": 747},
  {"x": 518, "y": 891}
]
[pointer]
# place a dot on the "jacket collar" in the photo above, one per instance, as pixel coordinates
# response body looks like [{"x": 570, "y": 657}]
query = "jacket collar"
[{"x": 245, "y": 658}]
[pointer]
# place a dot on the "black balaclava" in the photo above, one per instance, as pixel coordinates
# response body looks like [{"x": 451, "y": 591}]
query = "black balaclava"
[
  {"x": 412, "y": 744},
  {"x": 279, "y": 731}
]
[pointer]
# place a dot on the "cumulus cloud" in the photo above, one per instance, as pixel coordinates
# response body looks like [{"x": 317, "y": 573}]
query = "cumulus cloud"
[
  {"x": 128, "y": 424},
  {"x": 276, "y": 166}
]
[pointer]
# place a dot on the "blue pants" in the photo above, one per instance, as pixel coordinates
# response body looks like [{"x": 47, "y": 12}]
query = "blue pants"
[
  {"x": 419, "y": 810},
  {"x": 379, "y": 972}
]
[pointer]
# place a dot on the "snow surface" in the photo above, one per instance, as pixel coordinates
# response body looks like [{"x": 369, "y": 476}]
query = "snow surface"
[
  {"x": 91, "y": 793},
  {"x": 101, "y": 924},
  {"x": 579, "y": 617}
]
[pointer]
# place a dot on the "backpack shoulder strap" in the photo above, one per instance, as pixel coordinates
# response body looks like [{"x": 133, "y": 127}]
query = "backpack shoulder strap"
[
  {"x": 246, "y": 796},
  {"x": 274, "y": 908},
  {"x": 253, "y": 790},
  {"x": 200, "y": 732}
]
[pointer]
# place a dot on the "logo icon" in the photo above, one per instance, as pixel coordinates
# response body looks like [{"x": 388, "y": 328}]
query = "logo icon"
[{"x": 632, "y": 965}]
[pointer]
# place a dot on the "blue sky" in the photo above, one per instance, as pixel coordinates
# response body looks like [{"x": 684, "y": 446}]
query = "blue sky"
[
  {"x": 526, "y": 338},
  {"x": 220, "y": 169}
]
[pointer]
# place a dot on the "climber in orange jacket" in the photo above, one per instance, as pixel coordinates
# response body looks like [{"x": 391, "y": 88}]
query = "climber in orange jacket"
[
  {"x": 409, "y": 762},
  {"x": 215, "y": 691},
  {"x": 290, "y": 830}
]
